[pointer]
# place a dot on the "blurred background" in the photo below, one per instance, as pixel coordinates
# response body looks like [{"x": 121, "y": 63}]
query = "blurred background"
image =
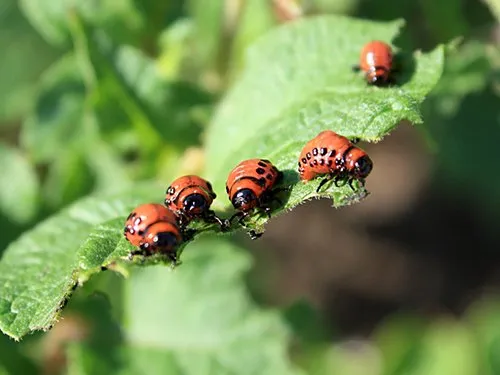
[{"x": 407, "y": 282}]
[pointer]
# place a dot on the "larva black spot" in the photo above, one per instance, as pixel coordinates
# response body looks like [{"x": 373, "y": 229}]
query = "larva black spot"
[
  {"x": 308, "y": 155},
  {"x": 315, "y": 151},
  {"x": 323, "y": 151},
  {"x": 260, "y": 170}
]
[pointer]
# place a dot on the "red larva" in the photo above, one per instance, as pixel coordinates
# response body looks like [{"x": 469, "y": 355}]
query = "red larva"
[
  {"x": 375, "y": 61},
  {"x": 190, "y": 197},
  {"x": 333, "y": 156},
  {"x": 154, "y": 229},
  {"x": 251, "y": 185}
]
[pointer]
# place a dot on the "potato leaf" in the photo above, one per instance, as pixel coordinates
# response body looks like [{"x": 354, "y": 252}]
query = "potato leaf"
[{"x": 298, "y": 81}]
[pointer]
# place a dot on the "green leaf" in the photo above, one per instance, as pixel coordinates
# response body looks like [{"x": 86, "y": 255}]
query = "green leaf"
[
  {"x": 82, "y": 360},
  {"x": 446, "y": 19},
  {"x": 98, "y": 351},
  {"x": 68, "y": 179},
  {"x": 39, "y": 270},
  {"x": 13, "y": 360},
  {"x": 484, "y": 317},
  {"x": 52, "y": 19},
  {"x": 85, "y": 167},
  {"x": 19, "y": 186},
  {"x": 208, "y": 18},
  {"x": 201, "y": 317},
  {"x": 63, "y": 132},
  {"x": 467, "y": 70},
  {"x": 198, "y": 320},
  {"x": 306, "y": 322},
  {"x": 56, "y": 118},
  {"x": 157, "y": 108},
  {"x": 449, "y": 347},
  {"x": 466, "y": 96},
  {"x": 399, "y": 340},
  {"x": 298, "y": 81},
  {"x": 255, "y": 19},
  {"x": 28, "y": 56},
  {"x": 494, "y": 6},
  {"x": 346, "y": 7},
  {"x": 159, "y": 14},
  {"x": 173, "y": 52},
  {"x": 108, "y": 169}
]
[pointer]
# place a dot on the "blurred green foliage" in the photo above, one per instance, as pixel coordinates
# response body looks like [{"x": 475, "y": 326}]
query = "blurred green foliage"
[{"x": 87, "y": 89}]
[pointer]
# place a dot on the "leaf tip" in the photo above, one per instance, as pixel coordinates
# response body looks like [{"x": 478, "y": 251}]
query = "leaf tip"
[{"x": 400, "y": 23}]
